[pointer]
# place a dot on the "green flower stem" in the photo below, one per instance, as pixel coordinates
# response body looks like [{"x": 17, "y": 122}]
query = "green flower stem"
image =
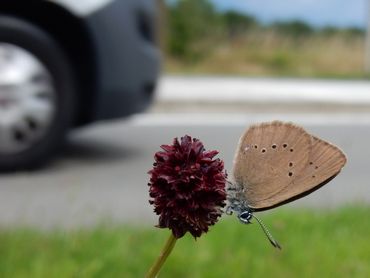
[{"x": 166, "y": 251}]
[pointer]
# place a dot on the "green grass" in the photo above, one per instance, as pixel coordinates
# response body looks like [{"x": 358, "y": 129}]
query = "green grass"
[{"x": 316, "y": 243}]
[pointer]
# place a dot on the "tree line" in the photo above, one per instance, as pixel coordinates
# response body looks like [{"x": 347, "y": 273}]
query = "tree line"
[{"x": 190, "y": 23}]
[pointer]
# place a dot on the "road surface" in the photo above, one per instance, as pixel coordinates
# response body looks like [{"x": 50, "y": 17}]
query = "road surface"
[{"x": 102, "y": 174}]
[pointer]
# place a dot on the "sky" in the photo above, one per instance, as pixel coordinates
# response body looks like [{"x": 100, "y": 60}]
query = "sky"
[{"x": 341, "y": 13}]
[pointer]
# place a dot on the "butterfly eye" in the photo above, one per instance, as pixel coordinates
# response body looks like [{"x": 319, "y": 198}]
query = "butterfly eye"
[
  {"x": 290, "y": 164},
  {"x": 245, "y": 217},
  {"x": 255, "y": 146},
  {"x": 291, "y": 150},
  {"x": 285, "y": 145},
  {"x": 263, "y": 150},
  {"x": 290, "y": 174},
  {"x": 273, "y": 146},
  {"x": 311, "y": 163}
]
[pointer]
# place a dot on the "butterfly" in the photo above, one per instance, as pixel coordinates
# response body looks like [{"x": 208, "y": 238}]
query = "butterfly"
[{"x": 276, "y": 163}]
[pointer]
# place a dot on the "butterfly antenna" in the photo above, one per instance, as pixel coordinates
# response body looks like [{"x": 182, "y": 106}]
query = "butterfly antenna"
[{"x": 267, "y": 233}]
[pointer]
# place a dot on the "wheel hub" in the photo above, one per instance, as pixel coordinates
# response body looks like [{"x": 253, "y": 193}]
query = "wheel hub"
[{"x": 27, "y": 99}]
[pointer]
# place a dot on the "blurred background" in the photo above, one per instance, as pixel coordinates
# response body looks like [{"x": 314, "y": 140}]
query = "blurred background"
[
  {"x": 302, "y": 39},
  {"x": 145, "y": 72}
]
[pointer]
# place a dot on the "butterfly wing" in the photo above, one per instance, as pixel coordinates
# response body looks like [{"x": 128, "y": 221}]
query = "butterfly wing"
[
  {"x": 284, "y": 173},
  {"x": 268, "y": 158},
  {"x": 325, "y": 162}
]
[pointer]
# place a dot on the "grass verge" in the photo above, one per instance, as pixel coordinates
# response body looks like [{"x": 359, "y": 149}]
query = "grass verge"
[{"x": 316, "y": 243}]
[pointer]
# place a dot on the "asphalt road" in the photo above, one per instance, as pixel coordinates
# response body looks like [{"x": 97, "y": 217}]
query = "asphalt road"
[{"x": 101, "y": 175}]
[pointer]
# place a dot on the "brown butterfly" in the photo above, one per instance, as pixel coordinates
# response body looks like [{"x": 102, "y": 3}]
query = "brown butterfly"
[{"x": 276, "y": 163}]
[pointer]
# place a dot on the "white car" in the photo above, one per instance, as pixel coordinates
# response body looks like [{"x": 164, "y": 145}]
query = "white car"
[{"x": 67, "y": 63}]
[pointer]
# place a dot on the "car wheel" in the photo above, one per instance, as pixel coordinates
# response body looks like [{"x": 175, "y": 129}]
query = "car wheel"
[{"x": 36, "y": 95}]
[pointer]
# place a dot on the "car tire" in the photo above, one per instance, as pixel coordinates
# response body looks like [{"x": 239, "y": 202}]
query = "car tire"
[{"x": 45, "y": 49}]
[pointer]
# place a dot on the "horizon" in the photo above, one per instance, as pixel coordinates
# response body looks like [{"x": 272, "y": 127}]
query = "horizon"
[
  {"x": 338, "y": 13},
  {"x": 318, "y": 14}
]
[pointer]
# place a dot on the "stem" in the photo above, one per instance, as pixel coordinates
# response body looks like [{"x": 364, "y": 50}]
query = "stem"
[{"x": 166, "y": 251}]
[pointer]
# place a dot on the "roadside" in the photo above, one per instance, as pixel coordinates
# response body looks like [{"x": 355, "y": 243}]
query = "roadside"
[
  {"x": 101, "y": 175},
  {"x": 247, "y": 95}
]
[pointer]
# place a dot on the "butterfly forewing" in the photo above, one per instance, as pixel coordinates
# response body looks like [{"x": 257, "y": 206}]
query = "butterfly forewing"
[{"x": 268, "y": 159}]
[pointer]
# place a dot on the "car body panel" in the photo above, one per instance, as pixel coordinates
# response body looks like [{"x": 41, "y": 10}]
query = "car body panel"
[
  {"x": 83, "y": 7},
  {"x": 128, "y": 63}
]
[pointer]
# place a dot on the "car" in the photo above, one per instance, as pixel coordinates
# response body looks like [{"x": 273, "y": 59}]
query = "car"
[{"x": 66, "y": 64}]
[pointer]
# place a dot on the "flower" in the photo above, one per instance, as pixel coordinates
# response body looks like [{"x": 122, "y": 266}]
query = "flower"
[{"x": 187, "y": 187}]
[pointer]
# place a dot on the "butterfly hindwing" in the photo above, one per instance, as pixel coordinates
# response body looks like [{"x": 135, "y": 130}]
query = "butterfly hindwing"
[{"x": 325, "y": 162}]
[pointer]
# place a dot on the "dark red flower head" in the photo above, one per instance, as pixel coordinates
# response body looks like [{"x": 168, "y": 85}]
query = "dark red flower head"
[{"x": 187, "y": 187}]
